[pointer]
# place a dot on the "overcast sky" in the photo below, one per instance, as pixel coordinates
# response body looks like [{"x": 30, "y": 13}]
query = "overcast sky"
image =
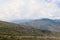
[{"x": 29, "y": 9}]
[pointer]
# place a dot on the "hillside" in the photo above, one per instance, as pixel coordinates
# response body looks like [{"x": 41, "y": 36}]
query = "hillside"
[
  {"x": 17, "y": 29},
  {"x": 13, "y": 31}
]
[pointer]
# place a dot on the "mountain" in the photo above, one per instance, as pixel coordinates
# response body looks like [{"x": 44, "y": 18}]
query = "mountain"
[
  {"x": 45, "y": 24},
  {"x": 13, "y": 31},
  {"x": 8, "y": 28}
]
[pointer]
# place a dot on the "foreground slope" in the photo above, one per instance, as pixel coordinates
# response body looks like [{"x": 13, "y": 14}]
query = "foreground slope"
[
  {"x": 12, "y": 31},
  {"x": 7, "y": 28}
]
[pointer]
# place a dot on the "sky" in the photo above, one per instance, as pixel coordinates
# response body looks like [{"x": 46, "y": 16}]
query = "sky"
[{"x": 29, "y": 9}]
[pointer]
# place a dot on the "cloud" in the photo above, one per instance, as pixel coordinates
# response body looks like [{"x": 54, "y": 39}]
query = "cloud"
[
  {"x": 48, "y": 1},
  {"x": 28, "y": 9},
  {"x": 58, "y": 4}
]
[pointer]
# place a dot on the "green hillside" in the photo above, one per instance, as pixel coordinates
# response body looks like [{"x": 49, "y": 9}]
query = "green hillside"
[
  {"x": 12, "y": 31},
  {"x": 17, "y": 29}
]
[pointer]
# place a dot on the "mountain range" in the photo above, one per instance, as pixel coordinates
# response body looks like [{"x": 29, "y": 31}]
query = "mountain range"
[
  {"x": 36, "y": 28},
  {"x": 45, "y": 24},
  {"x": 8, "y": 28}
]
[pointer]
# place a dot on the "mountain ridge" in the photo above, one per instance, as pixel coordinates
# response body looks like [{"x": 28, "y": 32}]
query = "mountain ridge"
[{"x": 44, "y": 23}]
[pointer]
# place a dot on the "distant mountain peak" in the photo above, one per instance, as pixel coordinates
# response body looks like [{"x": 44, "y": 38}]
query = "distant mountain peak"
[{"x": 45, "y": 19}]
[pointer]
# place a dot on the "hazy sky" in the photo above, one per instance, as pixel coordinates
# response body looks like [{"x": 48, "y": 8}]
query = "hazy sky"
[{"x": 29, "y": 9}]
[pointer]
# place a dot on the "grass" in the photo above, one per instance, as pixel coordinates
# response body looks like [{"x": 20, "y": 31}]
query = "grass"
[
  {"x": 11, "y": 31},
  {"x": 24, "y": 38}
]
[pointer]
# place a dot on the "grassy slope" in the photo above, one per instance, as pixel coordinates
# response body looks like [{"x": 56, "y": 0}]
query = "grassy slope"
[
  {"x": 11, "y": 29},
  {"x": 17, "y": 29}
]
